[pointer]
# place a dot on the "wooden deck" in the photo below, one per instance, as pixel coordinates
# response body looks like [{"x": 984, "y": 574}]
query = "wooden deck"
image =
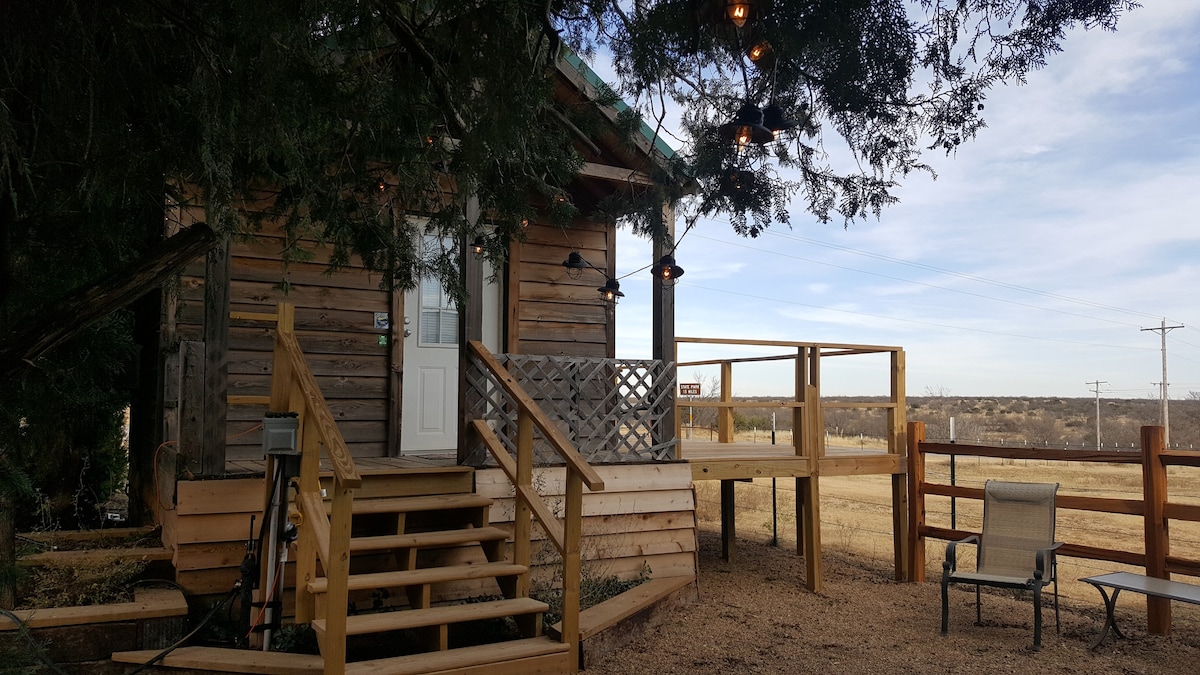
[
  {"x": 712, "y": 460},
  {"x": 245, "y": 468}
]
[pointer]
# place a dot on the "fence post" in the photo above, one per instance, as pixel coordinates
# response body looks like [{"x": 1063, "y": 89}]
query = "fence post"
[
  {"x": 916, "y": 502},
  {"x": 1154, "y": 490}
]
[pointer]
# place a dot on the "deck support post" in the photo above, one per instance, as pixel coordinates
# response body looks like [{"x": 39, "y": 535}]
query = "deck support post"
[{"x": 728, "y": 520}]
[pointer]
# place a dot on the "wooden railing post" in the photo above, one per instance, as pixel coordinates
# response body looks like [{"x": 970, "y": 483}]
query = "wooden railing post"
[
  {"x": 338, "y": 576},
  {"x": 572, "y": 561},
  {"x": 725, "y": 414},
  {"x": 916, "y": 502},
  {"x": 1154, "y": 486},
  {"x": 522, "y": 527}
]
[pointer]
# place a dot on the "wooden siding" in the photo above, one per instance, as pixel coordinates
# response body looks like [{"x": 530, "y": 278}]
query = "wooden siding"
[
  {"x": 335, "y": 326},
  {"x": 553, "y": 313},
  {"x": 644, "y": 519}
]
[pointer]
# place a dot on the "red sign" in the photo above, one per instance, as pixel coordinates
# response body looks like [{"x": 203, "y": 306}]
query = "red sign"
[{"x": 689, "y": 388}]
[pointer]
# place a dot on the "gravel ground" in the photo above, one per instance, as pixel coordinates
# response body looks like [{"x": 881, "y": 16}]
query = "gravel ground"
[{"x": 754, "y": 616}]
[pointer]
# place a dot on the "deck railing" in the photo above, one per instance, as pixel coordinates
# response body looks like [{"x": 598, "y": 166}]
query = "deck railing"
[
  {"x": 294, "y": 389},
  {"x": 565, "y": 534},
  {"x": 612, "y": 410},
  {"x": 1154, "y": 506}
]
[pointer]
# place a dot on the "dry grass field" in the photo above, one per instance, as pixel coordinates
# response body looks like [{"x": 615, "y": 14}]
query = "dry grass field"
[
  {"x": 856, "y": 516},
  {"x": 754, "y": 615}
]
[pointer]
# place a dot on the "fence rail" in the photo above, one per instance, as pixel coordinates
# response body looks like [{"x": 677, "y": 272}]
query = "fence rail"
[{"x": 1154, "y": 507}]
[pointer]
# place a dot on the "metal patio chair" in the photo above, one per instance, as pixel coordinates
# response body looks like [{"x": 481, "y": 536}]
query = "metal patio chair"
[{"x": 1016, "y": 549}]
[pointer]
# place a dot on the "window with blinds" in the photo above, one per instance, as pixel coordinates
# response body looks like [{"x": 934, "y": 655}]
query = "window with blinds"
[{"x": 439, "y": 318}]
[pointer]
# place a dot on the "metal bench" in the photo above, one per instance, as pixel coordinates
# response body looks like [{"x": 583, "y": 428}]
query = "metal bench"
[{"x": 1137, "y": 583}]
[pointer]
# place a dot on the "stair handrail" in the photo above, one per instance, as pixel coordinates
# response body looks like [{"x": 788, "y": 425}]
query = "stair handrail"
[
  {"x": 565, "y": 535},
  {"x": 295, "y": 389}
]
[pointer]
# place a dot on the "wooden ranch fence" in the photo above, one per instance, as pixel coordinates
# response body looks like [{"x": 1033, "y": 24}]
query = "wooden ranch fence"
[{"x": 1155, "y": 507}]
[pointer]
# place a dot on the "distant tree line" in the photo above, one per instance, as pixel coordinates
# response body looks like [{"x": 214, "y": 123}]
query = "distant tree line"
[{"x": 1036, "y": 421}]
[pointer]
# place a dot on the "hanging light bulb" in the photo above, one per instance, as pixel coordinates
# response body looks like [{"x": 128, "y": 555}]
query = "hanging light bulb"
[
  {"x": 575, "y": 265},
  {"x": 610, "y": 292},
  {"x": 667, "y": 270},
  {"x": 738, "y": 13},
  {"x": 746, "y": 127},
  {"x": 759, "y": 50}
]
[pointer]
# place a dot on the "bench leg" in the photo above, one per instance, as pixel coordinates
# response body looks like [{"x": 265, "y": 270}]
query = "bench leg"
[{"x": 1110, "y": 621}]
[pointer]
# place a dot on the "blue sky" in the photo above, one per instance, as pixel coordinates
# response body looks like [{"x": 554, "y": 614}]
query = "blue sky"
[{"x": 1027, "y": 268}]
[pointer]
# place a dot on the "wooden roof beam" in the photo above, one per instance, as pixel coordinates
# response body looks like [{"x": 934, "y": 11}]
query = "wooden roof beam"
[{"x": 616, "y": 174}]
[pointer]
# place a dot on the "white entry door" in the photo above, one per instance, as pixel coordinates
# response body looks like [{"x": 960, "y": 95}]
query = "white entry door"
[{"x": 430, "y": 368}]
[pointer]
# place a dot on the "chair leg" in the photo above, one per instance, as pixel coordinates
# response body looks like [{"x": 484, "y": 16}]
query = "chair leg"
[
  {"x": 978, "y": 610},
  {"x": 1057, "y": 624},
  {"x": 1037, "y": 618},
  {"x": 945, "y": 604}
]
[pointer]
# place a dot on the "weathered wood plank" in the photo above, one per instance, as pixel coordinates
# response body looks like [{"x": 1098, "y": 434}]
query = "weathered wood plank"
[
  {"x": 342, "y": 410},
  {"x": 862, "y": 465},
  {"x": 362, "y": 365},
  {"x": 202, "y": 497},
  {"x": 149, "y": 603},
  {"x": 733, "y": 469}
]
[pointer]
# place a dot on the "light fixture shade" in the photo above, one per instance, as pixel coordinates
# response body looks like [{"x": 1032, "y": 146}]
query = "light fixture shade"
[
  {"x": 667, "y": 270},
  {"x": 575, "y": 265},
  {"x": 610, "y": 292},
  {"x": 777, "y": 121},
  {"x": 478, "y": 245},
  {"x": 746, "y": 127}
]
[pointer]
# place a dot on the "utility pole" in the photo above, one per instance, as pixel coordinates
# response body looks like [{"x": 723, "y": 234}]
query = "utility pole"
[
  {"x": 1096, "y": 388},
  {"x": 1163, "y": 398}
]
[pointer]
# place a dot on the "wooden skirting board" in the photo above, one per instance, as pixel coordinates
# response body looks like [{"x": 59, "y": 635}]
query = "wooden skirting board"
[{"x": 614, "y": 622}]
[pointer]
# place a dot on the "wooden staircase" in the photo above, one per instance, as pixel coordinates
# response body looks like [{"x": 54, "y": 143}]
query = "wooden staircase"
[
  {"x": 347, "y": 521},
  {"x": 418, "y": 533}
]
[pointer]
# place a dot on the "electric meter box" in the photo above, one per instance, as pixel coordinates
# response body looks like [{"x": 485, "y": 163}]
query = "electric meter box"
[{"x": 280, "y": 433}]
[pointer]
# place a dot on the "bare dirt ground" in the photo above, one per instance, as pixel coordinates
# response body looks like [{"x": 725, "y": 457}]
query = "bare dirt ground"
[{"x": 755, "y": 616}]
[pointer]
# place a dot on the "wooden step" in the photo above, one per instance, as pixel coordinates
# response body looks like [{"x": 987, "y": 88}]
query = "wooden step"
[
  {"x": 436, "y": 539},
  {"x": 431, "y": 575},
  {"x": 219, "y": 660},
  {"x": 423, "y": 503},
  {"x": 531, "y": 655},
  {"x": 361, "y": 624}
]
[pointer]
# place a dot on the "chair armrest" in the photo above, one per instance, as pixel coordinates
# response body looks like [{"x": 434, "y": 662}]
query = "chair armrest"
[
  {"x": 951, "y": 562},
  {"x": 1043, "y": 554}
]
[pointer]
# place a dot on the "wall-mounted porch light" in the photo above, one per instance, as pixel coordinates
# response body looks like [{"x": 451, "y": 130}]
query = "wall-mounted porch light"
[
  {"x": 610, "y": 292},
  {"x": 667, "y": 270},
  {"x": 478, "y": 245}
]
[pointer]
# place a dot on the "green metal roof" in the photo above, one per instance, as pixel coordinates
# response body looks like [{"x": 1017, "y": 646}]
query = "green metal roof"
[{"x": 590, "y": 75}]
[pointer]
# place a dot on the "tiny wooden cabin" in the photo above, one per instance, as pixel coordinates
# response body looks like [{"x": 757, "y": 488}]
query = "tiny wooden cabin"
[{"x": 417, "y": 390}]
